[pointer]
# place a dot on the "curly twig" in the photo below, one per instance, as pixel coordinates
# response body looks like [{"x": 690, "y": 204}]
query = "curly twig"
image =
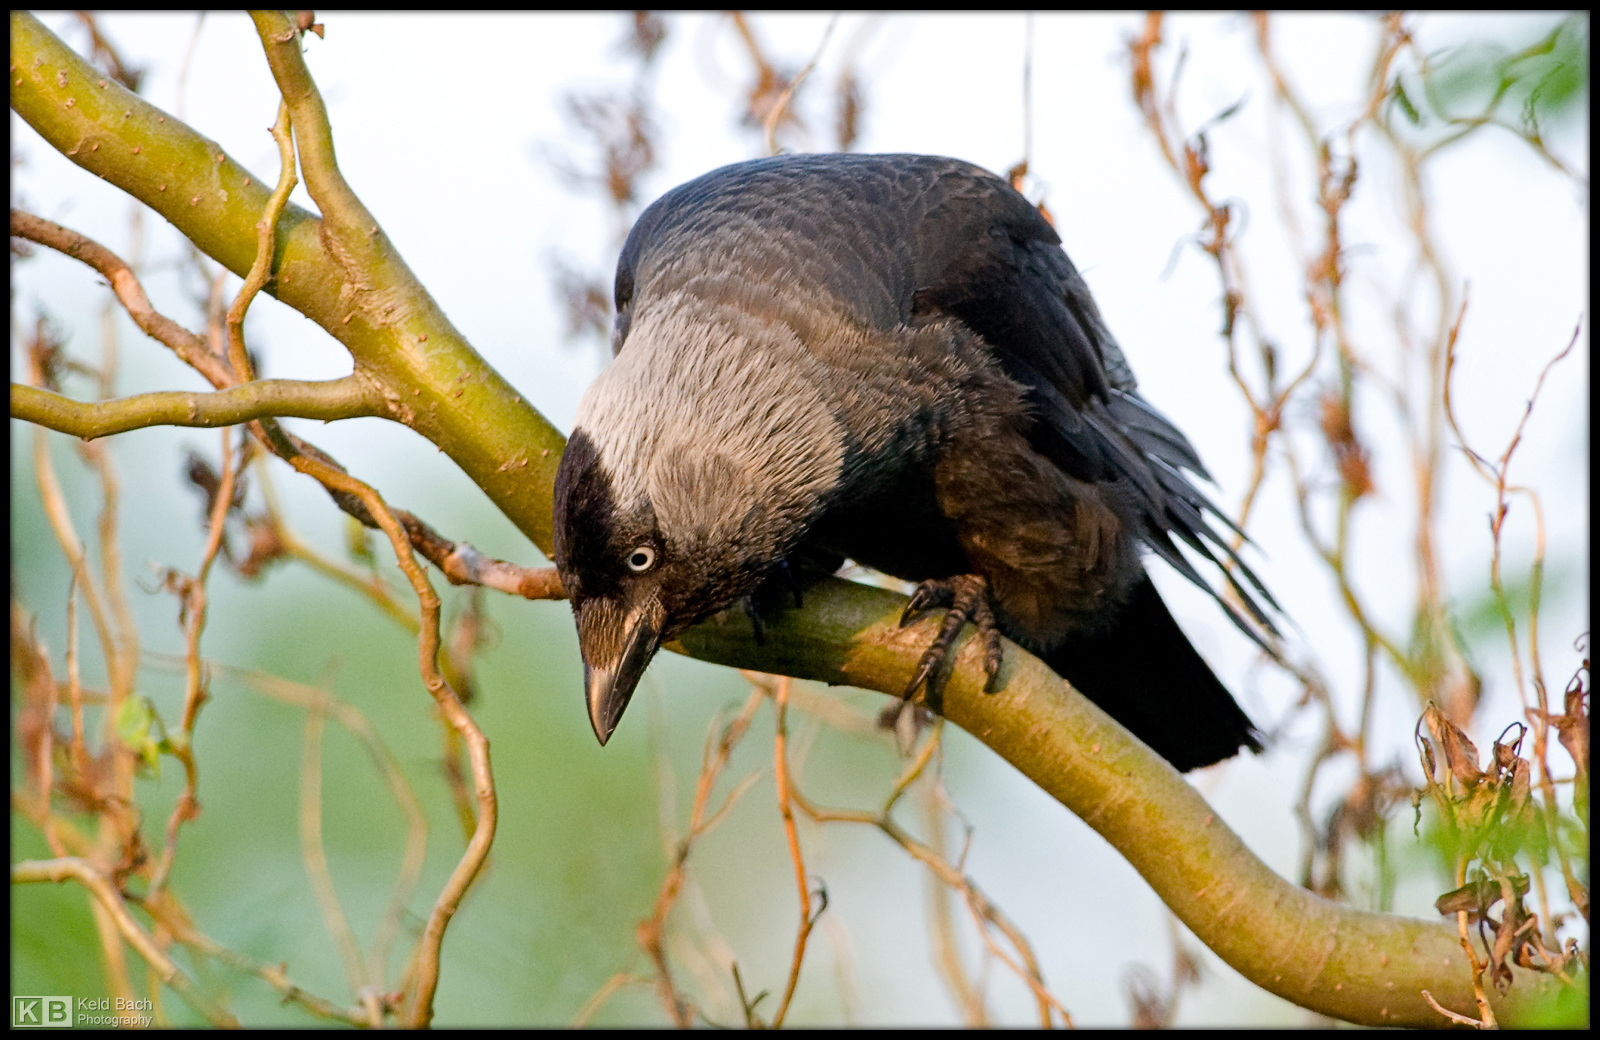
[
  {"x": 426, "y": 979},
  {"x": 808, "y": 920},
  {"x": 267, "y": 228}
]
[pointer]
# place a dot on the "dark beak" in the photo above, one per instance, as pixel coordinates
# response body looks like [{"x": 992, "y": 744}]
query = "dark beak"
[{"x": 610, "y": 687}]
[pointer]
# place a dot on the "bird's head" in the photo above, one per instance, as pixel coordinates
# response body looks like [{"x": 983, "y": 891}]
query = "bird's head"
[
  {"x": 637, "y": 573},
  {"x": 691, "y": 472}
]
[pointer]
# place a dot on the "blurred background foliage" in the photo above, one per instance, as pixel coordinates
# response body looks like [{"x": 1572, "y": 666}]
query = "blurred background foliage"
[
  {"x": 579, "y": 853},
  {"x": 586, "y": 834},
  {"x": 1540, "y": 84}
]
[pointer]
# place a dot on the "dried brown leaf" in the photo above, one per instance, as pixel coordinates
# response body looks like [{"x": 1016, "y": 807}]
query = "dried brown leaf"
[{"x": 1460, "y": 754}]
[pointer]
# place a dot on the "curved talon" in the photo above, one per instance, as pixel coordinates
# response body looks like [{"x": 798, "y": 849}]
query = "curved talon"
[
  {"x": 993, "y": 654},
  {"x": 925, "y": 668},
  {"x": 967, "y": 596},
  {"x": 934, "y": 656},
  {"x": 928, "y": 595}
]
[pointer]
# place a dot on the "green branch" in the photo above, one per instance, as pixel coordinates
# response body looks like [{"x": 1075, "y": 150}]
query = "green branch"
[
  {"x": 345, "y": 215},
  {"x": 266, "y": 231},
  {"x": 344, "y": 398}
]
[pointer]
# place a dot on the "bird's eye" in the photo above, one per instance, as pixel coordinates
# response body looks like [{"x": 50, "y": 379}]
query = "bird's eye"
[{"x": 642, "y": 558}]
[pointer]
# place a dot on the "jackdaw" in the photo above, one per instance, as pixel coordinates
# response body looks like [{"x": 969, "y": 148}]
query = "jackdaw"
[{"x": 890, "y": 359}]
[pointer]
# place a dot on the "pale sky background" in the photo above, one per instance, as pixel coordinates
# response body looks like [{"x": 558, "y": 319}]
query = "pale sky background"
[{"x": 441, "y": 123}]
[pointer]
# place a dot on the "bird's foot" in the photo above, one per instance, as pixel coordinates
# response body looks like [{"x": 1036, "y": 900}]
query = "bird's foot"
[{"x": 967, "y": 596}]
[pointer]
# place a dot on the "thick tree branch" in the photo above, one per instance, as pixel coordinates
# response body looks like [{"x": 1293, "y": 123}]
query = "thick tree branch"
[
  {"x": 344, "y": 214},
  {"x": 337, "y": 399}
]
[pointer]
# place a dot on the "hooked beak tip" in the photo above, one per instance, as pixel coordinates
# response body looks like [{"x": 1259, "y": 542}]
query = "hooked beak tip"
[
  {"x": 608, "y": 689},
  {"x": 604, "y": 713}
]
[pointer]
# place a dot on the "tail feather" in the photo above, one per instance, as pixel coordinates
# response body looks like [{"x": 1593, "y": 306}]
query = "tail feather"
[{"x": 1144, "y": 673}]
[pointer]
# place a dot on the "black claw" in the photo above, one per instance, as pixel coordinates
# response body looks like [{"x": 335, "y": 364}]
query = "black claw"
[
  {"x": 967, "y": 596},
  {"x": 916, "y": 606},
  {"x": 925, "y": 669},
  {"x": 928, "y": 595}
]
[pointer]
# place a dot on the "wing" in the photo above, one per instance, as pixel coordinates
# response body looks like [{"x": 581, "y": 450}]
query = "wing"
[
  {"x": 993, "y": 262},
  {"x": 896, "y": 240}
]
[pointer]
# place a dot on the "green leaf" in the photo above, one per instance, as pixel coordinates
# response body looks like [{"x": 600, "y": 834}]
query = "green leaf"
[
  {"x": 1406, "y": 107},
  {"x": 135, "y": 719}
]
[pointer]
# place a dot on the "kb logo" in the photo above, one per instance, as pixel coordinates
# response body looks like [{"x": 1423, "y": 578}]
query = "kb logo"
[{"x": 40, "y": 1012}]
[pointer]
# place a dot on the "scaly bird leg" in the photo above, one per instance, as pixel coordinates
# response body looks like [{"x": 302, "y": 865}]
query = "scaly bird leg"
[{"x": 967, "y": 596}]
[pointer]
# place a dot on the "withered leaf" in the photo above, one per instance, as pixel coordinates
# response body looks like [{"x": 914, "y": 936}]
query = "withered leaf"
[{"x": 1460, "y": 754}]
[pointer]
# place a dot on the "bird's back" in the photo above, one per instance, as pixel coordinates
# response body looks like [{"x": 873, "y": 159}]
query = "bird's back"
[{"x": 880, "y": 238}]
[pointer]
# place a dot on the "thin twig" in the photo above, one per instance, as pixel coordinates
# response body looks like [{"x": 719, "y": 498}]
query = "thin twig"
[
  {"x": 55, "y": 510},
  {"x": 969, "y": 997},
  {"x": 189, "y": 347},
  {"x": 195, "y": 693},
  {"x": 1462, "y": 1020},
  {"x": 808, "y": 920},
  {"x": 274, "y": 975},
  {"x": 426, "y": 980},
  {"x": 1537, "y": 713},
  {"x": 984, "y": 911},
  {"x": 110, "y": 900},
  {"x": 316, "y": 856},
  {"x": 317, "y": 699},
  {"x": 266, "y": 240},
  {"x": 44, "y": 753},
  {"x": 344, "y": 398},
  {"x": 611, "y": 988},
  {"x": 651, "y": 932},
  {"x": 779, "y": 107}
]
